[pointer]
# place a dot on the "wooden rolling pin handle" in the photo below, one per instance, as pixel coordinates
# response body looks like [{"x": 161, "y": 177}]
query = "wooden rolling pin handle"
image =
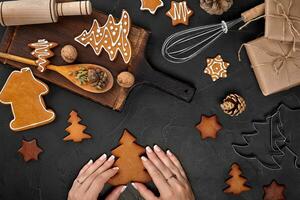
[
  {"x": 74, "y": 8},
  {"x": 253, "y": 12}
]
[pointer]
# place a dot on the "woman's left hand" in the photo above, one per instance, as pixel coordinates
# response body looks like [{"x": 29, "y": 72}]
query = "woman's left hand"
[{"x": 92, "y": 178}]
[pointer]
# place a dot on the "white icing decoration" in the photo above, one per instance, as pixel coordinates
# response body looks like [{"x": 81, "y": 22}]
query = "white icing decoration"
[
  {"x": 116, "y": 34},
  {"x": 180, "y": 12},
  {"x": 41, "y": 52}
]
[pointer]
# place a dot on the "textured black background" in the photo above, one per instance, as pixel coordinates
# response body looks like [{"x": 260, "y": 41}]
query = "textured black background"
[{"x": 154, "y": 117}]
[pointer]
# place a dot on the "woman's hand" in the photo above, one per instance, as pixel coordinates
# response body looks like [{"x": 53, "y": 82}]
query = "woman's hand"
[
  {"x": 168, "y": 176},
  {"x": 92, "y": 178}
]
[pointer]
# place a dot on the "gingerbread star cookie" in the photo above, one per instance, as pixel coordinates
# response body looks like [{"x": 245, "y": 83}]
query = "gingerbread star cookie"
[
  {"x": 151, "y": 5},
  {"x": 216, "y": 67},
  {"x": 209, "y": 127},
  {"x": 274, "y": 191},
  {"x": 112, "y": 37},
  {"x": 179, "y": 13},
  {"x": 30, "y": 150}
]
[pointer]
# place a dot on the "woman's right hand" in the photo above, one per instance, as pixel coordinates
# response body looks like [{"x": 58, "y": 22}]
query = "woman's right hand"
[{"x": 167, "y": 174}]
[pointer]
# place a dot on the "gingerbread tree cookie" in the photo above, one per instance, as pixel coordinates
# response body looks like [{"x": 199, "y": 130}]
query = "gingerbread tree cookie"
[
  {"x": 42, "y": 51},
  {"x": 24, "y": 93},
  {"x": 112, "y": 37},
  {"x": 216, "y": 67},
  {"x": 76, "y": 129},
  {"x": 151, "y": 5},
  {"x": 30, "y": 150},
  {"x": 209, "y": 127},
  {"x": 274, "y": 191},
  {"x": 179, "y": 13},
  {"x": 236, "y": 182},
  {"x": 131, "y": 168}
]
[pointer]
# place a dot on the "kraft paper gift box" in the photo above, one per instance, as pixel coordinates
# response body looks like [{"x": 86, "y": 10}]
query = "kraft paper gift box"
[
  {"x": 282, "y": 20},
  {"x": 275, "y": 65}
]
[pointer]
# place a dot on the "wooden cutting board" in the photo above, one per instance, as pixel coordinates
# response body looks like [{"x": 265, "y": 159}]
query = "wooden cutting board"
[{"x": 16, "y": 39}]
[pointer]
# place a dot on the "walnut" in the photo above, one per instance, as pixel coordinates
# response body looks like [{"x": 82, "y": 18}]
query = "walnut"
[
  {"x": 216, "y": 7},
  {"x": 68, "y": 53},
  {"x": 125, "y": 79}
]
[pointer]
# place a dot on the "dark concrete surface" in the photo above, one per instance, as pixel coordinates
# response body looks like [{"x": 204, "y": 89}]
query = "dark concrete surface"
[{"x": 154, "y": 117}]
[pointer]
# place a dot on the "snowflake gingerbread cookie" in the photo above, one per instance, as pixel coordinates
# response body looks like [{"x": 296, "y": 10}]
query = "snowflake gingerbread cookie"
[
  {"x": 112, "y": 37},
  {"x": 216, "y": 68},
  {"x": 151, "y": 5},
  {"x": 179, "y": 13}
]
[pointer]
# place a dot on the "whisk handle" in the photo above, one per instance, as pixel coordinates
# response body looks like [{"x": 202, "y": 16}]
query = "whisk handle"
[
  {"x": 253, "y": 12},
  {"x": 167, "y": 83}
]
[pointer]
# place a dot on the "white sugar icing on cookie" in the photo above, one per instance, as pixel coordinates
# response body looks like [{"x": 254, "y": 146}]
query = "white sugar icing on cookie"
[{"x": 112, "y": 37}]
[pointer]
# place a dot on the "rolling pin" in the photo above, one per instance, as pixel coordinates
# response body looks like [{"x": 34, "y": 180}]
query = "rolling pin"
[{"x": 27, "y": 12}]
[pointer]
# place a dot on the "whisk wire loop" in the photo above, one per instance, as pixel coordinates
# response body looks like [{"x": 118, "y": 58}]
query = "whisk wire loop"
[{"x": 185, "y": 45}]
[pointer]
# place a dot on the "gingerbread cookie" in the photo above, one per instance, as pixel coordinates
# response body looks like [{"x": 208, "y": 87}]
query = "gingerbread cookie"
[
  {"x": 151, "y": 5},
  {"x": 42, "y": 51},
  {"x": 209, "y": 127},
  {"x": 24, "y": 93},
  {"x": 112, "y": 37},
  {"x": 236, "y": 182},
  {"x": 131, "y": 168},
  {"x": 30, "y": 150},
  {"x": 76, "y": 129},
  {"x": 179, "y": 13},
  {"x": 216, "y": 67},
  {"x": 274, "y": 191}
]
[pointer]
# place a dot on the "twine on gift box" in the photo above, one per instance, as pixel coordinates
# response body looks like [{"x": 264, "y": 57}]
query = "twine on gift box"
[
  {"x": 279, "y": 59},
  {"x": 289, "y": 19}
]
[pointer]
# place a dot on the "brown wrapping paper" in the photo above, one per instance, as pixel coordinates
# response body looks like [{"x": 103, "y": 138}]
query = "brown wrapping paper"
[
  {"x": 275, "y": 65},
  {"x": 283, "y": 20}
]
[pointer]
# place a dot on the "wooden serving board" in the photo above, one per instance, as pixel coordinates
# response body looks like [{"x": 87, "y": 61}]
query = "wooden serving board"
[{"x": 16, "y": 39}]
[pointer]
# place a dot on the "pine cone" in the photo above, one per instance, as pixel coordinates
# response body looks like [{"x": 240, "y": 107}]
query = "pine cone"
[
  {"x": 233, "y": 105},
  {"x": 216, "y": 7}
]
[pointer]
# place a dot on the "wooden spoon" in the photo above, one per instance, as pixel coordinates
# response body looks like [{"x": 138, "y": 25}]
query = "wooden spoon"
[{"x": 66, "y": 71}]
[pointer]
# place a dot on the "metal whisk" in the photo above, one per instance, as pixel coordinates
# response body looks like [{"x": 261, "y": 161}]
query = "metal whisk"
[{"x": 185, "y": 45}]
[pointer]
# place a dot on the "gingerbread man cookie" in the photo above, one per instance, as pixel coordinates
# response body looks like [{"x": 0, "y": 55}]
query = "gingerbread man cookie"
[
  {"x": 24, "y": 93},
  {"x": 216, "y": 67},
  {"x": 179, "y": 13},
  {"x": 151, "y": 5},
  {"x": 42, "y": 51},
  {"x": 112, "y": 37}
]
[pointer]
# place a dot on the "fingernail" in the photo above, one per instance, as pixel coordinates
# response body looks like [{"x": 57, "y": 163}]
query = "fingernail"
[
  {"x": 103, "y": 157},
  {"x": 156, "y": 148},
  {"x": 134, "y": 185},
  {"x": 116, "y": 168},
  {"x": 123, "y": 188},
  {"x": 112, "y": 157},
  {"x": 144, "y": 158},
  {"x": 148, "y": 149},
  {"x": 169, "y": 153},
  {"x": 90, "y": 162}
]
